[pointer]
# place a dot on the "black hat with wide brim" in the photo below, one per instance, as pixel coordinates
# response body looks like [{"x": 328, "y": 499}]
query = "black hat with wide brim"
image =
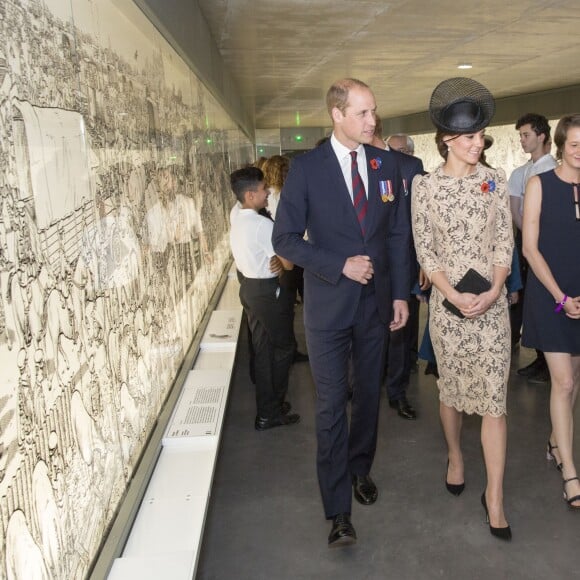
[{"x": 461, "y": 105}]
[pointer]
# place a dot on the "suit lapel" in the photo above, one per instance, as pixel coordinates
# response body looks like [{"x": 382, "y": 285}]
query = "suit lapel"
[{"x": 340, "y": 193}]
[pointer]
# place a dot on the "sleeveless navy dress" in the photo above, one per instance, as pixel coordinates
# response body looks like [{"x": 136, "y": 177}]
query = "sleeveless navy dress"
[{"x": 559, "y": 244}]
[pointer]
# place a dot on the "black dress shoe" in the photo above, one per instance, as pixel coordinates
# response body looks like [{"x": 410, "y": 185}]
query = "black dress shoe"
[
  {"x": 535, "y": 366},
  {"x": 431, "y": 369},
  {"x": 285, "y": 407},
  {"x": 365, "y": 490},
  {"x": 403, "y": 408},
  {"x": 263, "y": 423},
  {"x": 342, "y": 532},
  {"x": 300, "y": 357}
]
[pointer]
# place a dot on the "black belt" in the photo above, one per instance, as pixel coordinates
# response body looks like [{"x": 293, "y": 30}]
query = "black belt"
[{"x": 265, "y": 281}]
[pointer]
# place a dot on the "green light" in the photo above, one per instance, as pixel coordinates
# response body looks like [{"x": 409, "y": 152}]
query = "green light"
[
  {"x": 208, "y": 141},
  {"x": 298, "y": 138},
  {"x": 260, "y": 150}
]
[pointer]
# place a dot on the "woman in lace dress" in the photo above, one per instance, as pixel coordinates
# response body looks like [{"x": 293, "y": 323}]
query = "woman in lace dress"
[{"x": 461, "y": 220}]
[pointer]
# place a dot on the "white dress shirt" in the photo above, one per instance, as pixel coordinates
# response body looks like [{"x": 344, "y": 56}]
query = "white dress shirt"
[
  {"x": 251, "y": 242},
  {"x": 343, "y": 155}
]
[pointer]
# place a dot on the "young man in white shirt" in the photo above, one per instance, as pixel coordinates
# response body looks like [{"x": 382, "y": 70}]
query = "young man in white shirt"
[{"x": 268, "y": 305}]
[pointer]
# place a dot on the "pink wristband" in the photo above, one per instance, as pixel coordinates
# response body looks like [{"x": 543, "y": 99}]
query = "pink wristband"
[{"x": 560, "y": 306}]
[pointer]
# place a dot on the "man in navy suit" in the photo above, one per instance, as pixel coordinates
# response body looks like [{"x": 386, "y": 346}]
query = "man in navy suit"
[
  {"x": 403, "y": 344},
  {"x": 356, "y": 285}
]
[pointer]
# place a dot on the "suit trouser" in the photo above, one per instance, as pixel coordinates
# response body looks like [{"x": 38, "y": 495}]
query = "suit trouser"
[
  {"x": 401, "y": 353},
  {"x": 342, "y": 454},
  {"x": 270, "y": 311}
]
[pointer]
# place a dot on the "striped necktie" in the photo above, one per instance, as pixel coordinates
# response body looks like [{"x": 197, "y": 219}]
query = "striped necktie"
[{"x": 359, "y": 196}]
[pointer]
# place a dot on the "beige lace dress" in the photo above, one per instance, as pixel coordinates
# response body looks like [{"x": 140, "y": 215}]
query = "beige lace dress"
[{"x": 462, "y": 223}]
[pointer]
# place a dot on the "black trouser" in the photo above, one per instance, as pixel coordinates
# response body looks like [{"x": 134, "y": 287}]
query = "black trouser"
[
  {"x": 251, "y": 354},
  {"x": 402, "y": 353},
  {"x": 270, "y": 311}
]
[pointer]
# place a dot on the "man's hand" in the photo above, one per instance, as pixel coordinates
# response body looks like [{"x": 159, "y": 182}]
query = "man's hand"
[
  {"x": 424, "y": 282},
  {"x": 400, "y": 315},
  {"x": 276, "y": 266},
  {"x": 359, "y": 268}
]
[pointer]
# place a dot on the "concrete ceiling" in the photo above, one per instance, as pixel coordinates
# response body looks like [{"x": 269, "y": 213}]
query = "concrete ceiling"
[{"x": 284, "y": 54}]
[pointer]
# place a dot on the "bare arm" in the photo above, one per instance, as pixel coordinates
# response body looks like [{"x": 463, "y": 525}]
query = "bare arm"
[
  {"x": 279, "y": 264},
  {"x": 287, "y": 264}
]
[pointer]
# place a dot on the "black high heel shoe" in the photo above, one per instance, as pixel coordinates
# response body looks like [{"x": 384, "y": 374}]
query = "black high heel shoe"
[
  {"x": 550, "y": 455},
  {"x": 501, "y": 533},
  {"x": 570, "y": 500},
  {"x": 453, "y": 488}
]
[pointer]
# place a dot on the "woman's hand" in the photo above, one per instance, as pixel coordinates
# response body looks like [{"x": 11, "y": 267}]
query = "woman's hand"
[
  {"x": 480, "y": 303},
  {"x": 572, "y": 308},
  {"x": 463, "y": 300}
]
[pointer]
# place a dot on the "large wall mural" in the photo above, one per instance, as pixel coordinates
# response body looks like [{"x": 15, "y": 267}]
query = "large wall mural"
[{"x": 114, "y": 205}]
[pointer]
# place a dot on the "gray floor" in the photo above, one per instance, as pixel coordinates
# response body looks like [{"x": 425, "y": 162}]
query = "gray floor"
[{"x": 265, "y": 518}]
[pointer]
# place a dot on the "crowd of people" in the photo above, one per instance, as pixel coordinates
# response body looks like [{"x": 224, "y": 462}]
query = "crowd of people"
[{"x": 363, "y": 235}]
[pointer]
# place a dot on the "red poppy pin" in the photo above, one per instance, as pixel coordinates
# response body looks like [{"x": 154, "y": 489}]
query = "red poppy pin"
[
  {"x": 376, "y": 163},
  {"x": 488, "y": 186}
]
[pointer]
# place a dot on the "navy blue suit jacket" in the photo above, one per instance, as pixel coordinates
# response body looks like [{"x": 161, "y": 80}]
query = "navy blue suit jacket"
[
  {"x": 315, "y": 199},
  {"x": 409, "y": 166}
]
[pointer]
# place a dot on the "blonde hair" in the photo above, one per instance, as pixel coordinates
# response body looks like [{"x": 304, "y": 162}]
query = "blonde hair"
[{"x": 275, "y": 171}]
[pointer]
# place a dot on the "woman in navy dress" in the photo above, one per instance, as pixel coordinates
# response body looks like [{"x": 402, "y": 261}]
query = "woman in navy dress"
[{"x": 551, "y": 242}]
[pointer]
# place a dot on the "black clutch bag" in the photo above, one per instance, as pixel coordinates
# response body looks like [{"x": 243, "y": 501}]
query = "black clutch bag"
[{"x": 472, "y": 282}]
